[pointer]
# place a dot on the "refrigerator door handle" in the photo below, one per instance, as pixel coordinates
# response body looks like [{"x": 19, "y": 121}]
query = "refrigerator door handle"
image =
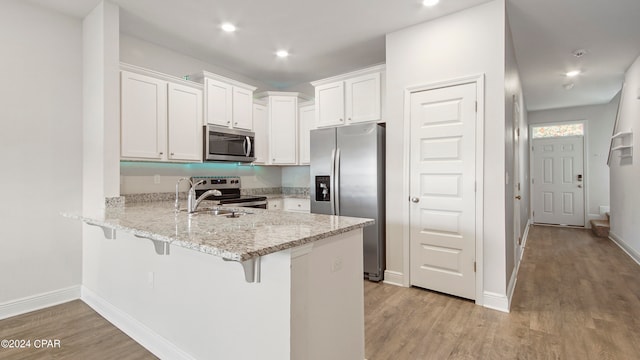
[
  {"x": 336, "y": 188},
  {"x": 332, "y": 179}
]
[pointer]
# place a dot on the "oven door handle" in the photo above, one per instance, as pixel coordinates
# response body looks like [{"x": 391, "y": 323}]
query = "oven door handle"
[{"x": 248, "y": 142}]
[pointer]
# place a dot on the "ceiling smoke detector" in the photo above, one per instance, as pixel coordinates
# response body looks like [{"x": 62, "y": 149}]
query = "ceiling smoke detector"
[{"x": 579, "y": 53}]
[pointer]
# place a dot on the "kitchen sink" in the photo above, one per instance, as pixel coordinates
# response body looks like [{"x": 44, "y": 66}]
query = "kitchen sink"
[{"x": 221, "y": 212}]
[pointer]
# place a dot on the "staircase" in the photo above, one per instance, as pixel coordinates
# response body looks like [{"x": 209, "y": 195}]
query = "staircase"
[{"x": 600, "y": 227}]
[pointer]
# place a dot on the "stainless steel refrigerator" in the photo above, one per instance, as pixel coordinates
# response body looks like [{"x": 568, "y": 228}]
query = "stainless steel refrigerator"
[{"x": 347, "y": 179}]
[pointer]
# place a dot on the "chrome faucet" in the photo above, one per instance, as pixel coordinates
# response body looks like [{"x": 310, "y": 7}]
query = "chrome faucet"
[{"x": 193, "y": 202}]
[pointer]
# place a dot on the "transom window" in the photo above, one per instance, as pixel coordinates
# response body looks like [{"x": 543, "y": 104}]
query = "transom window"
[{"x": 557, "y": 130}]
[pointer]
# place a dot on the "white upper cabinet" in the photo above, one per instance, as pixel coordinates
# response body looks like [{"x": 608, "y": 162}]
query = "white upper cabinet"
[
  {"x": 307, "y": 123},
  {"x": 261, "y": 128},
  {"x": 228, "y": 103},
  {"x": 362, "y": 98},
  {"x": 242, "y": 108},
  {"x": 161, "y": 117},
  {"x": 218, "y": 102},
  {"x": 185, "y": 123},
  {"x": 143, "y": 122},
  {"x": 350, "y": 98},
  {"x": 330, "y": 109},
  {"x": 283, "y": 130}
]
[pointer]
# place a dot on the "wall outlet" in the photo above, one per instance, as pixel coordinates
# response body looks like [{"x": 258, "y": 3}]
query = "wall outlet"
[{"x": 156, "y": 179}]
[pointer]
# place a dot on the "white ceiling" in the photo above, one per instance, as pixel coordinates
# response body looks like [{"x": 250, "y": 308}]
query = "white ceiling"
[{"x": 330, "y": 37}]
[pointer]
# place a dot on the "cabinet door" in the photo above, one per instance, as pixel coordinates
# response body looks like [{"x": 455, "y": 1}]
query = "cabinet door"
[
  {"x": 260, "y": 126},
  {"x": 297, "y": 205},
  {"x": 274, "y": 204},
  {"x": 143, "y": 121},
  {"x": 219, "y": 104},
  {"x": 363, "y": 98},
  {"x": 185, "y": 123},
  {"x": 307, "y": 115},
  {"x": 283, "y": 129},
  {"x": 242, "y": 108},
  {"x": 330, "y": 104}
]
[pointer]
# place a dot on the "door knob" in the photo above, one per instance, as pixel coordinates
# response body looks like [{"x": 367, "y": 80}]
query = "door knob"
[
  {"x": 415, "y": 199},
  {"x": 518, "y": 197}
]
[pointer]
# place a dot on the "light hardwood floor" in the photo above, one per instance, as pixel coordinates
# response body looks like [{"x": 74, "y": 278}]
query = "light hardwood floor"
[
  {"x": 83, "y": 334},
  {"x": 578, "y": 297}
]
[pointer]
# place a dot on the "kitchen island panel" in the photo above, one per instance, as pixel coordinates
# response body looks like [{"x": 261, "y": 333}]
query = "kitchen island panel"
[{"x": 309, "y": 296}]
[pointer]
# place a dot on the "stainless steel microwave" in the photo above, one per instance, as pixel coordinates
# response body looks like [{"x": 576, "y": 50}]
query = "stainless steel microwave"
[{"x": 222, "y": 144}]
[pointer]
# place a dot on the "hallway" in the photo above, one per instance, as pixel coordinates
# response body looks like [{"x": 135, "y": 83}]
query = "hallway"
[{"x": 577, "y": 297}]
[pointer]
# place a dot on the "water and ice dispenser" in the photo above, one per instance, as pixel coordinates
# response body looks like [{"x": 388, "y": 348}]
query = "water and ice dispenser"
[{"x": 323, "y": 190}]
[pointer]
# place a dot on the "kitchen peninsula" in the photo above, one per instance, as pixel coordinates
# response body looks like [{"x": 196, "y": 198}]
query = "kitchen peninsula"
[{"x": 259, "y": 285}]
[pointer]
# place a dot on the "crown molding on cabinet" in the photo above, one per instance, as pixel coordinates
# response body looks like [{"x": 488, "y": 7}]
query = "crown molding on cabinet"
[
  {"x": 341, "y": 77},
  {"x": 159, "y": 75}
]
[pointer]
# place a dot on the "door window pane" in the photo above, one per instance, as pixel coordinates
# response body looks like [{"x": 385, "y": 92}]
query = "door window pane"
[{"x": 557, "y": 130}]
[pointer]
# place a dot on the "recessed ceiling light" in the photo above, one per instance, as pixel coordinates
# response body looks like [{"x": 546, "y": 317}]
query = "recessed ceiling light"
[
  {"x": 430, "y": 2},
  {"x": 282, "y": 53},
  {"x": 579, "y": 53},
  {"x": 573, "y": 73},
  {"x": 228, "y": 27}
]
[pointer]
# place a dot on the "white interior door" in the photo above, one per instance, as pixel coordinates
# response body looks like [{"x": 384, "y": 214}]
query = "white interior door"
[
  {"x": 442, "y": 190},
  {"x": 558, "y": 192}
]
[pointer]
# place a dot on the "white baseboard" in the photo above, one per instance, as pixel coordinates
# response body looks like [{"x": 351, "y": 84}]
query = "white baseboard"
[
  {"x": 394, "y": 278},
  {"x": 158, "y": 345},
  {"x": 625, "y": 247},
  {"x": 525, "y": 236},
  {"x": 40, "y": 301},
  {"x": 512, "y": 285},
  {"x": 495, "y": 301}
]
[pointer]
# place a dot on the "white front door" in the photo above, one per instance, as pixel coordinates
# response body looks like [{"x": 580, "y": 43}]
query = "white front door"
[
  {"x": 558, "y": 192},
  {"x": 442, "y": 190}
]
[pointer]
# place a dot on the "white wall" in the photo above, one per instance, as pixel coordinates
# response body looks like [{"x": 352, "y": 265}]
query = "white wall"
[
  {"x": 296, "y": 176},
  {"x": 148, "y": 55},
  {"x": 625, "y": 173},
  {"x": 512, "y": 95},
  {"x": 467, "y": 43},
  {"x": 139, "y": 178},
  {"x": 41, "y": 157},
  {"x": 599, "y": 119}
]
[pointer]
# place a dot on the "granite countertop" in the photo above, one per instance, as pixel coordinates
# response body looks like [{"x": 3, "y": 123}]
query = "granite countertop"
[{"x": 243, "y": 238}]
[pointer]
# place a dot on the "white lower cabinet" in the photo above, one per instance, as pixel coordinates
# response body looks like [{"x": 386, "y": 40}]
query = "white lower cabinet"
[
  {"x": 160, "y": 120},
  {"x": 275, "y": 204},
  {"x": 297, "y": 205}
]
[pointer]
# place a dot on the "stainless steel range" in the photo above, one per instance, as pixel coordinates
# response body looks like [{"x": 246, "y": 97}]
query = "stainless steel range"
[{"x": 229, "y": 186}]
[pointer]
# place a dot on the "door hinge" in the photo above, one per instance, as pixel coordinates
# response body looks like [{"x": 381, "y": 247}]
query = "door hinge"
[
  {"x": 474, "y": 266},
  {"x": 475, "y": 186},
  {"x": 518, "y": 186},
  {"x": 533, "y": 214},
  {"x": 476, "y": 106},
  {"x": 518, "y": 131}
]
